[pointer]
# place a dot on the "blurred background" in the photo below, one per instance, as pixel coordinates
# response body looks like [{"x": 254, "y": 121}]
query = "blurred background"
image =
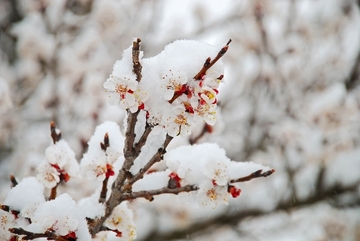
[{"x": 290, "y": 100}]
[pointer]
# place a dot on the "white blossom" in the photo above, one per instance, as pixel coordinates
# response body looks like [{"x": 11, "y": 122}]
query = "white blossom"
[
  {"x": 177, "y": 121},
  {"x": 206, "y": 112},
  {"x": 121, "y": 90},
  {"x": 217, "y": 170},
  {"x": 47, "y": 174},
  {"x": 172, "y": 81},
  {"x": 212, "y": 195}
]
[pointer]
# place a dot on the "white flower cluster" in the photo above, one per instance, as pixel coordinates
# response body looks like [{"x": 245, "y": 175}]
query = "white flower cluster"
[
  {"x": 59, "y": 165},
  {"x": 177, "y": 100}
]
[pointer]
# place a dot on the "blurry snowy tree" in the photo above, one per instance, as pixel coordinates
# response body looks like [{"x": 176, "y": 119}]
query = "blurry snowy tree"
[{"x": 290, "y": 100}]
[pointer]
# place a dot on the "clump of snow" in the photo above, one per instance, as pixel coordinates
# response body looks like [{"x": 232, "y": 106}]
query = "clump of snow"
[
  {"x": 91, "y": 207},
  {"x": 26, "y": 196},
  {"x": 207, "y": 166},
  {"x": 60, "y": 215}
]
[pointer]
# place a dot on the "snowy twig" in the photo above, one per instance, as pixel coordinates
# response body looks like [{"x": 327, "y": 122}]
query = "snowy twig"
[
  {"x": 208, "y": 62},
  {"x": 136, "y": 62},
  {"x": 104, "y": 145},
  {"x": 55, "y": 135},
  {"x": 149, "y": 194},
  {"x": 30, "y": 235},
  {"x": 253, "y": 175},
  {"x": 130, "y": 153}
]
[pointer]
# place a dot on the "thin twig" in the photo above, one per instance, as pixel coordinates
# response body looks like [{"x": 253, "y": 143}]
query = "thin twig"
[
  {"x": 104, "y": 189},
  {"x": 149, "y": 194},
  {"x": 209, "y": 63},
  {"x": 54, "y": 135},
  {"x": 253, "y": 175},
  {"x": 143, "y": 138},
  {"x": 136, "y": 60}
]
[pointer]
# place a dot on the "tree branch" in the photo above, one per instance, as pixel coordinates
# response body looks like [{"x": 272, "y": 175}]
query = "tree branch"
[
  {"x": 136, "y": 60},
  {"x": 130, "y": 153},
  {"x": 253, "y": 175},
  {"x": 149, "y": 194},
  {"x": 209, "y": 63}
]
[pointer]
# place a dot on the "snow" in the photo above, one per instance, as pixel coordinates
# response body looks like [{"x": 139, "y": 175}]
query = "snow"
[
  {"x": 60, "y": 215},
  {"x": 26, "y": 196},
  {"x": 152, "y": 181}
]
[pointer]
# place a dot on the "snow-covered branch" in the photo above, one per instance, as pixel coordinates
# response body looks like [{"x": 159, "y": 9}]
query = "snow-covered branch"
[{"x": 162, "y": 102}]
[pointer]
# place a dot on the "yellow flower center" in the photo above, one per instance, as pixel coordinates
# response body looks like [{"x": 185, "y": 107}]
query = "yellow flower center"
[
  {"x": 120, "y": 89},
  {"x": 180, "y": 120},
  {"x": 212, "y": 194}
]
